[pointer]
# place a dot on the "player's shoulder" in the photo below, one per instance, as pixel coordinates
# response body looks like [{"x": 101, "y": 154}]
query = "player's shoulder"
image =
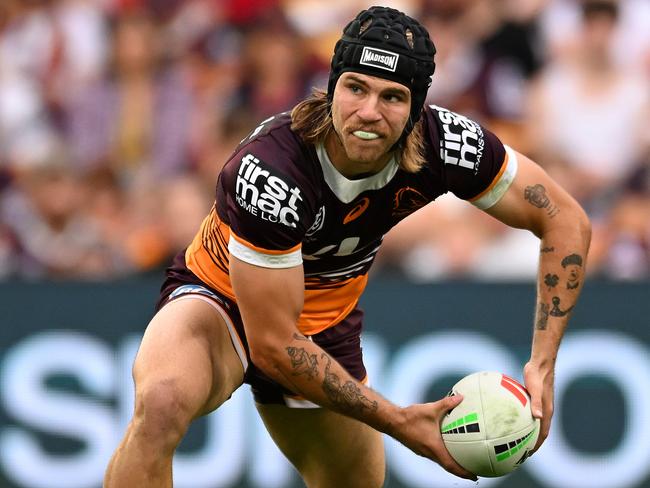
[
  {"x": 466, "y": 156},
  {"x": 445, "y": 116},
  {"x": 276, "y": 143},
  {"x": 273, "y": 134},
  {"x": 270, "y": 175},
  {"x": 277, "y": 122},
  {"x": 273, "y": 146}
]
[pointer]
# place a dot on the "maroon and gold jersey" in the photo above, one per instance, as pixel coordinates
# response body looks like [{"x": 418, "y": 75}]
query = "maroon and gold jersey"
[{"x": 280, "y": 203}]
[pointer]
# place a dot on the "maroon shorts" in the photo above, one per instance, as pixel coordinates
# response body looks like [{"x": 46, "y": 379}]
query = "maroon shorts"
[{"x": 342, "y": 342}]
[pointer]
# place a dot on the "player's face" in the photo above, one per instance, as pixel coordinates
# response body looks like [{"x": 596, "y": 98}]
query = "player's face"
[{"x": 369, "y": 116}]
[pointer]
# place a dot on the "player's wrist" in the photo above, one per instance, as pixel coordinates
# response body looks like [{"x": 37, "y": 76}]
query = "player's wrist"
[
  {"x": 392, "y": 420},
  {"x": 541, "y": 362}
]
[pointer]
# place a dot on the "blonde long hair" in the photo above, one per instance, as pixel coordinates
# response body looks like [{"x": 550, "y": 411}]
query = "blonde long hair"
[{"x": 311, "y": 120}]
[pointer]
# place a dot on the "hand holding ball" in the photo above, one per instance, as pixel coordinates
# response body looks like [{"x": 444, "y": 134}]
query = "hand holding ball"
[{"x": 492, "y": 431}]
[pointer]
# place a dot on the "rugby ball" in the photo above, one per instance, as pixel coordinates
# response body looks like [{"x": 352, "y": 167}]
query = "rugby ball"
[{"x": 492, "y": 431}]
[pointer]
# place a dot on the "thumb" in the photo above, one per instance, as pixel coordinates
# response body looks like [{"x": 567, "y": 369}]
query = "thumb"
[{"x": 451, "y": 402}]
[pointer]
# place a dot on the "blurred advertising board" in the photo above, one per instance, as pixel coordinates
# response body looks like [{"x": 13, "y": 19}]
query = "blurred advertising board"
[{"x": 66, "y": 393}]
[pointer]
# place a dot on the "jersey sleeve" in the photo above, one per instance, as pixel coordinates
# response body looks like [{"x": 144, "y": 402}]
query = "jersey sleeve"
[
  {"x": 260, "y": 199},
  {"x": 476, "y": 165}
]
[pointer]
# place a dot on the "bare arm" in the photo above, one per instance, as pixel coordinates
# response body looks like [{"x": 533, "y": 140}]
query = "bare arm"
[
  {"x": 270, "y": 301},
  {"x": 535, "y": 202}
]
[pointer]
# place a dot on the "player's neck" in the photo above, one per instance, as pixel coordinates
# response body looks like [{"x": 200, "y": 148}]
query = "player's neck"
[{"x": 352, "y": 169}]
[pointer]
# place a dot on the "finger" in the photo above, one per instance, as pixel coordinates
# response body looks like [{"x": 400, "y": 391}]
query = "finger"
[
  {"x": 536, "y": 398},
  {"x": 545, "y": 423},
  {"x": 462, "y": 473},
  {"x": 444, "y": 458},
  {"x": 544, "y": 430},
  {"x": 536, "y": 407},
  {"x": 450, "y": 465}
]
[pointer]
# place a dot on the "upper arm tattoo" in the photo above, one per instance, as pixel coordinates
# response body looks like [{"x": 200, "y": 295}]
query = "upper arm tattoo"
[{"x": 536, "y": 195}]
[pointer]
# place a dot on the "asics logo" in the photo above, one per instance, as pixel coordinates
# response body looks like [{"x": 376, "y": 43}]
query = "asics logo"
[{"x": 356, "y": 212}]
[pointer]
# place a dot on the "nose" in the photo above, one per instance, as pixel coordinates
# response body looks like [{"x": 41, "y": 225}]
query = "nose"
[{"x": 368, "y": 109}]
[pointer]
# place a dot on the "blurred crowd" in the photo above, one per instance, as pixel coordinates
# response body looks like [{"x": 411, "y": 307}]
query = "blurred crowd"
[{"x": 117, "y": 115}]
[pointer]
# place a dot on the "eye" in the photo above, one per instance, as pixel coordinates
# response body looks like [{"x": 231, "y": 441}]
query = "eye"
[
  {"x": 355, "y": 88},
  {"x": 394, "y": 97}
]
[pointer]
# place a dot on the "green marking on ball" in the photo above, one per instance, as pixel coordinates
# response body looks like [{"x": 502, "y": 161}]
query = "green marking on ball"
[
  {"x": 469, "y": 423},
  {"x": 504, "y": 451}
]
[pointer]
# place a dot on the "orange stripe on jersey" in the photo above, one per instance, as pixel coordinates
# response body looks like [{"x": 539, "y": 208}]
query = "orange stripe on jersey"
[
  {"x": 325, "y": 307},
  {"x": 261, "y": 249},
  {"x": 208, "y": 257},
  {"x": 494, "y": 181}
]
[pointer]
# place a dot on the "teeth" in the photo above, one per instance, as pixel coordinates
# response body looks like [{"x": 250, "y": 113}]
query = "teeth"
[{"x": 368, "y": 136}]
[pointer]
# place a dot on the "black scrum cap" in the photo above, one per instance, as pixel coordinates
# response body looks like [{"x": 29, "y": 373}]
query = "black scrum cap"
[{"x": 389, "y": 44}]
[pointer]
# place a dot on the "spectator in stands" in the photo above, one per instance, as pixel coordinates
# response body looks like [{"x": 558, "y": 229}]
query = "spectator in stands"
[
  {"x": 148, "y": 94},
  {"x": 588, "y": 116},
  {"x": 28, "y": 51},
  {"x": 52, "y": 236},
  {"x": 623, "y": 249},
  {"x": 277, "y": 72},
  {"x": 137, "y": 118}
]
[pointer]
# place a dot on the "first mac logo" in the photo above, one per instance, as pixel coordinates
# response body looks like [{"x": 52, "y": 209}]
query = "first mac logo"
[{"x": 265, "y": 195}]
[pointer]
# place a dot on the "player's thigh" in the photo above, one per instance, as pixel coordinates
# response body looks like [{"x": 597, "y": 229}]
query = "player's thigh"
[
  {"x": 327, "y": 448},
  {"x": 187, "y": 356}
]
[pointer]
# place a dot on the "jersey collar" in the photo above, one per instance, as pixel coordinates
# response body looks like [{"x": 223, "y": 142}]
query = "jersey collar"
[{"x": 347, "y": 190}]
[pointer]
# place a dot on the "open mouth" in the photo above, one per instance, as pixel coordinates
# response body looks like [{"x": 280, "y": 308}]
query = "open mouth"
[{"x": 365, "y": 135}]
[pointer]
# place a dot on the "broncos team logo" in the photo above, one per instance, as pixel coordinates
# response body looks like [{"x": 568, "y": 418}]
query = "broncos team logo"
[
  {"x": 319, "y": 220},
  {"x": 406, "y": 201}
]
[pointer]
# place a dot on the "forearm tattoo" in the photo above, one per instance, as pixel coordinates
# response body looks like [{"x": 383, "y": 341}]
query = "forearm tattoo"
[
  {"x": 536, "y": 195},
  {"x": 302, "y": 362},
  {"x": 542, "y": 316},
  {"x": 556, "y": 311},
  {"x": 573, "y": 263},
  {"x": 347, "y": 395},
  {"x": 551, "y": 280}
]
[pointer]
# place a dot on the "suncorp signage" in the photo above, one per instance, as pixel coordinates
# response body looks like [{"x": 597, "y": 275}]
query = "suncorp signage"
[{"x": 234, "y": 449}]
